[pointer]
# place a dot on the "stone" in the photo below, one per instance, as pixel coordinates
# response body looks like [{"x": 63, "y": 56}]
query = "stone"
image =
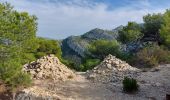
[
  {"x": 158, "y": 84},
  {"x": 38, "y": 70},
  {"x": 92, "y": 76},
  {"x": 32, "y": 72},
  {"x": 48, "y": 67},
  {"x": 40, "y": 74},
  {"x": 112, "y": 69},
  {"x": 109, "y": 66}
]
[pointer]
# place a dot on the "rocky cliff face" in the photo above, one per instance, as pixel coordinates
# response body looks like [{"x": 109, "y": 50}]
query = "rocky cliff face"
[
  {"x": 96, "y": 34},
  {"x": 75, "y": 47}
]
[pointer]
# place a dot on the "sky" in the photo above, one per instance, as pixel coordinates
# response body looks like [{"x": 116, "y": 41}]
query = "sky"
[{"x": 58, "y": 19}]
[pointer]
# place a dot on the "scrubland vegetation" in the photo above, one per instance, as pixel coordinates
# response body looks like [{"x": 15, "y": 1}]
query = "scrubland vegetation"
[{"x": 20, "y": 45}]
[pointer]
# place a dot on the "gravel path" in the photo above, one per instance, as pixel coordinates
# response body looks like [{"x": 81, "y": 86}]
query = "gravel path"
[{"x": 154, "y": 85}]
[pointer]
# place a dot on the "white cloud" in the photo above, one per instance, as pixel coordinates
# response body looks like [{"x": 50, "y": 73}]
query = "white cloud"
[{"x": 59, "y": 20}]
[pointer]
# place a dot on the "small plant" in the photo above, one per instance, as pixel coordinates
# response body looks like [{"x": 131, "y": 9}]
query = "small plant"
[{"x": 130, "y": 85}]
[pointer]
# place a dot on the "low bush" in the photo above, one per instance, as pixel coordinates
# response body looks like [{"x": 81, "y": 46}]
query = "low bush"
[
  {"x": 10, "y": 74},
  {"x": 130, "y": 85},
  {"x": 90, "y": 64},
  {"x": 101, "y": 48},
  {"x": 152, "y": 56},
  {"x": 47, "y": 46},
  {"x": 130, "y": 33}
]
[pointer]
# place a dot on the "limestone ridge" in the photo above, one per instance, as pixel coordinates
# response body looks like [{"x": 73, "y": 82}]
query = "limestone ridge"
[
  {"x": 112, "y": 69},
  {"x": 75, "y": 47},
  {"x": 48, "y": 67},
  {"x": 96, "y": 34}
]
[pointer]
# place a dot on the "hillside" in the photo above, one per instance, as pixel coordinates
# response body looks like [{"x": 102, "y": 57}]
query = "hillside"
[
  {"x": 130, "y": 62},
  {"x": 75, "y": 47}
]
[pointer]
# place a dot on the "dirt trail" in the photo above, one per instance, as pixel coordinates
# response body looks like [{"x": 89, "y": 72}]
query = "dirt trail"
[
  {"x": 154, "y": 85},
  {"x": 81, "y": 89}
]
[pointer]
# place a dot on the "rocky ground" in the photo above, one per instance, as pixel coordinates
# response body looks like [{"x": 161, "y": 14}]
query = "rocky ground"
[
  {"x": 154, "y": 85},
  {"x": 101, "y": 83}
]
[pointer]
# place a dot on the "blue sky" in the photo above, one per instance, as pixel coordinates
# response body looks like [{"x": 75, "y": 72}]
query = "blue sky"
[{"x": 59, "y": 19}]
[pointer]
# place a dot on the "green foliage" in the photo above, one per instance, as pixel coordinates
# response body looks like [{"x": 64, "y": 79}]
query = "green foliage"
[
  {"x": 46, "y": 46},
  {"x": 69, "y": 63},
  {"x": 27, "y": 57},
  {"x": 21, "y": 79},
  {"x": 130, "y": 85},
  {"x": 10, "y": 73},
  {"x": 90, "y": 64},
  {"x": 17, "y": 41},
  {"x": 130, "y": 33},
  {"x": 165, "y": 29},
  {"x": 152, "y": 24},
  {"x": 152, "y": 56},
  {"x": 102, "y": 48},
  {"x": 126, "y": 56}
]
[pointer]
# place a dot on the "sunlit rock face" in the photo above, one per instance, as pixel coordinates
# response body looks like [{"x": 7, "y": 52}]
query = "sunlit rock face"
[{"x": 75, "y": 47}]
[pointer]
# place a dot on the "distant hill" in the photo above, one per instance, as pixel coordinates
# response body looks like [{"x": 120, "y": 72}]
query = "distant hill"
[{"x": 74, "y": 48}]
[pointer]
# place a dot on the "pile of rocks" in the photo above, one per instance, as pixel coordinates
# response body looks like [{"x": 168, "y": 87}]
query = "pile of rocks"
[
  {"x": 112, "y": 69},
  {"x": 49, "y": 67}
]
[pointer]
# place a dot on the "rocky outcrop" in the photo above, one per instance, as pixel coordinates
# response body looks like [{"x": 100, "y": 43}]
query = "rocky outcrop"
[
  {"x": 135, "y": 46},
  {"x": 116, "y": 30},
  {"x": 75, "y": 47},
  {"x": 76, "y": 44},
  {"x": 112, "y": 69},
  {"x": 97, "y": 34},
  {"x": 49, "y": 67}
]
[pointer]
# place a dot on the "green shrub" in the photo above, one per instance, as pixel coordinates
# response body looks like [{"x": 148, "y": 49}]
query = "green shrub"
[
  {"x": 47, "y": 46},
  {"x": 102, "y": 48},
  {"x": 90, "y": 64},
  {"x": 130, "y": 85},
  {"x": 165, "y": 29},
  {"x": 152, "y": 24},
  {"x": 152, "y": 56},
  {"x": 40, "y": 54},
  {"x": 130, "y": 33},
  {"x": 10, "y": 74},
  {"x": 20, "y": 80},
  {"x": 17, "y": 43},
  {"x": 27, "y": 57}
]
